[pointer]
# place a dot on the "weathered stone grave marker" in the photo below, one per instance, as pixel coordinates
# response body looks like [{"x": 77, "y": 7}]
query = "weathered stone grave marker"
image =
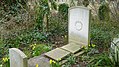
[
  {"x": 115, "y": 43},
  {"x": 17, "y": 58},
  {"x": 79, "y": 25},
  {"x": 114, "y": 49},
  {"x": 78, "y": 33}
]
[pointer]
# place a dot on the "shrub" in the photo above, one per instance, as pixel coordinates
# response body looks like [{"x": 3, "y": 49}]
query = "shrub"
[
  {"x": 71, "y": 59},
  {"x": 11, "y": 2},
  {"x": 100, "y": 60},
  {"x": 59, "y": 22},
  {"x": 38, "y": 49},
  {"x": 100, "y": 35},
  {"x": 63, "y": 10},
  {"x": 104, "y": 12},
  {"x": 86, "y": 3}
]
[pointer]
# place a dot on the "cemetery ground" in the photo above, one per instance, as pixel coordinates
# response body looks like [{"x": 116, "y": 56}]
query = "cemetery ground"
[{"x": 34, "y": 40}]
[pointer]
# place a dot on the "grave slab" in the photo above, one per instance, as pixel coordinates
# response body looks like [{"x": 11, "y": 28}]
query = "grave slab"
[
  {"x": 17, "y": 58},
  {"x": 57, "y": 54},
  {"x": 73, "y": 48}
]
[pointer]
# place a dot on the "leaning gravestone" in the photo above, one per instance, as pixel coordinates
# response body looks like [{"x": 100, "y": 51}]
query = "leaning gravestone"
[
  {"x": 78, "y": 33},
  {"x": 17, "y": 58}
]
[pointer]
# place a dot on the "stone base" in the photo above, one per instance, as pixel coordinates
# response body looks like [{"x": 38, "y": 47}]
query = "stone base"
[{"x": 40, "y": 60}]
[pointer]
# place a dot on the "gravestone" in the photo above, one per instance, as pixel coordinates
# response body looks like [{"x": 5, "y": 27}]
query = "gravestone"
[
  {"x": 114, "y": 49},
  {"x": 17, "y": 58},
  {"x": 78, "y": 33},
  {"x": 115, "y": 43},
  {"x": 78, "y": 28},
  {"x": 79, "y": 25}
]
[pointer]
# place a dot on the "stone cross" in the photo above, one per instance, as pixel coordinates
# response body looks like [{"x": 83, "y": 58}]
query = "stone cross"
[{"x": 17, "y": 58}]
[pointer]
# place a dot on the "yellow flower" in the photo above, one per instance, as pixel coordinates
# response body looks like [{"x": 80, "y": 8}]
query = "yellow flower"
[
  {"x": 36, "y": 65},
  {"x": 1, "y": 65},
  {"x": 5, "y": 59},
  {"x": 34, "y": 44},
  {"x": 51, "y": 61},
  {"x": 54, "y": 61},
  {"x": 33, "y": 47},
  {"x": 89, "y": 45},
  {"x": 65, "y": 36},
  {"x": 83, "y": 47},
  {"x": 93, "y": 45},
  {"x": 59, "y": 59}
]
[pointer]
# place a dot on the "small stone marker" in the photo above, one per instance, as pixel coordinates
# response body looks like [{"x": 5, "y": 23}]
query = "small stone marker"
[
  {"x": 57, "y": 54},
  {"x": 17, "y": 58}
]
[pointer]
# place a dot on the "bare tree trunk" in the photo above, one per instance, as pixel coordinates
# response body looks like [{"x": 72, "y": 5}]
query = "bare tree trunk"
[{"x": 47, "y": 23}]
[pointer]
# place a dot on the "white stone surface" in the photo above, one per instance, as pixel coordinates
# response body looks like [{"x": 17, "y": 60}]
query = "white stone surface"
[
  {"x": 79, "y": 25},
  {"x": 114, "y": 49},
  {"x": 63, "y": 1},
  {"x": 17, "y": 58},
  {"x": 115, "y": 42}
]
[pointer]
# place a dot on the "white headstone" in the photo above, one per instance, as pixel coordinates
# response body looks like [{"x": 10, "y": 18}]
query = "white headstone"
[
  {"x": 17, "y": 58},
  {"x": 114, "y": 49},
  {"x": 79, "y": 25},
  {"x": 115, "y": 43}
]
